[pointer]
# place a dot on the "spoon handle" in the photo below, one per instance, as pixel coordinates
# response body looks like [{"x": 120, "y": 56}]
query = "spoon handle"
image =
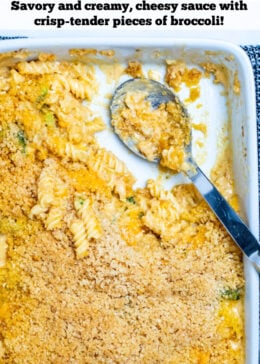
[{"x": 227, "y": 216}]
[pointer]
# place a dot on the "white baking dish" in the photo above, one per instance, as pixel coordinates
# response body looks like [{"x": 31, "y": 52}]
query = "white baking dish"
[{"x": 215, "y": 111}]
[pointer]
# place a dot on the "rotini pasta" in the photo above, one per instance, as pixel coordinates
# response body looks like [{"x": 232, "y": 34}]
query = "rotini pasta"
[
  {"x": 77, "y": 153},
  {"x": 80, "y": 238},
  {"x": 54, "y": 218},
  {"x": 156, "y": 190},
  {"x": 52, "y": 197},
  {"x": 113, "y": 171},
  {"x": 85, "y": 211},
  {"x": 39, "y": 67},
  {"x": 46, "y": 187},
  {"x": 80, "y": 88},
  {"x": 16, "y": 77}
]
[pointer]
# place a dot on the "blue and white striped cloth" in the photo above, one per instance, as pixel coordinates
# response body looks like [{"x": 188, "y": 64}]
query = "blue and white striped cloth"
[{"x": 253, "y": 53}]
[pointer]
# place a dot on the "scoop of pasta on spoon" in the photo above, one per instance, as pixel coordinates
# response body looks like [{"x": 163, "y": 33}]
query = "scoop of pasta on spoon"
[{"x": 153, "y": 123}]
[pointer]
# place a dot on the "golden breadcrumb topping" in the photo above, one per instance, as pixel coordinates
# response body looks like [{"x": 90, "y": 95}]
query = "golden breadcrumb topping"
[{"x": 134, "y": 69}]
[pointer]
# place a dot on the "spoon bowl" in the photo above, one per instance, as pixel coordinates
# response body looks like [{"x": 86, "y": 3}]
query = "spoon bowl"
[{"x": 158, "y": 94}]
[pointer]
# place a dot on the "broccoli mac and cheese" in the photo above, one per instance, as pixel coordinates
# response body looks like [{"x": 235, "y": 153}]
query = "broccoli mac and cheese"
[{"x": 92, "y": 268}]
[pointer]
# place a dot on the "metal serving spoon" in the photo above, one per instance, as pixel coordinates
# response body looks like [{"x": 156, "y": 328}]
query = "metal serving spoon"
[{"x": 158, "y": 94}]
